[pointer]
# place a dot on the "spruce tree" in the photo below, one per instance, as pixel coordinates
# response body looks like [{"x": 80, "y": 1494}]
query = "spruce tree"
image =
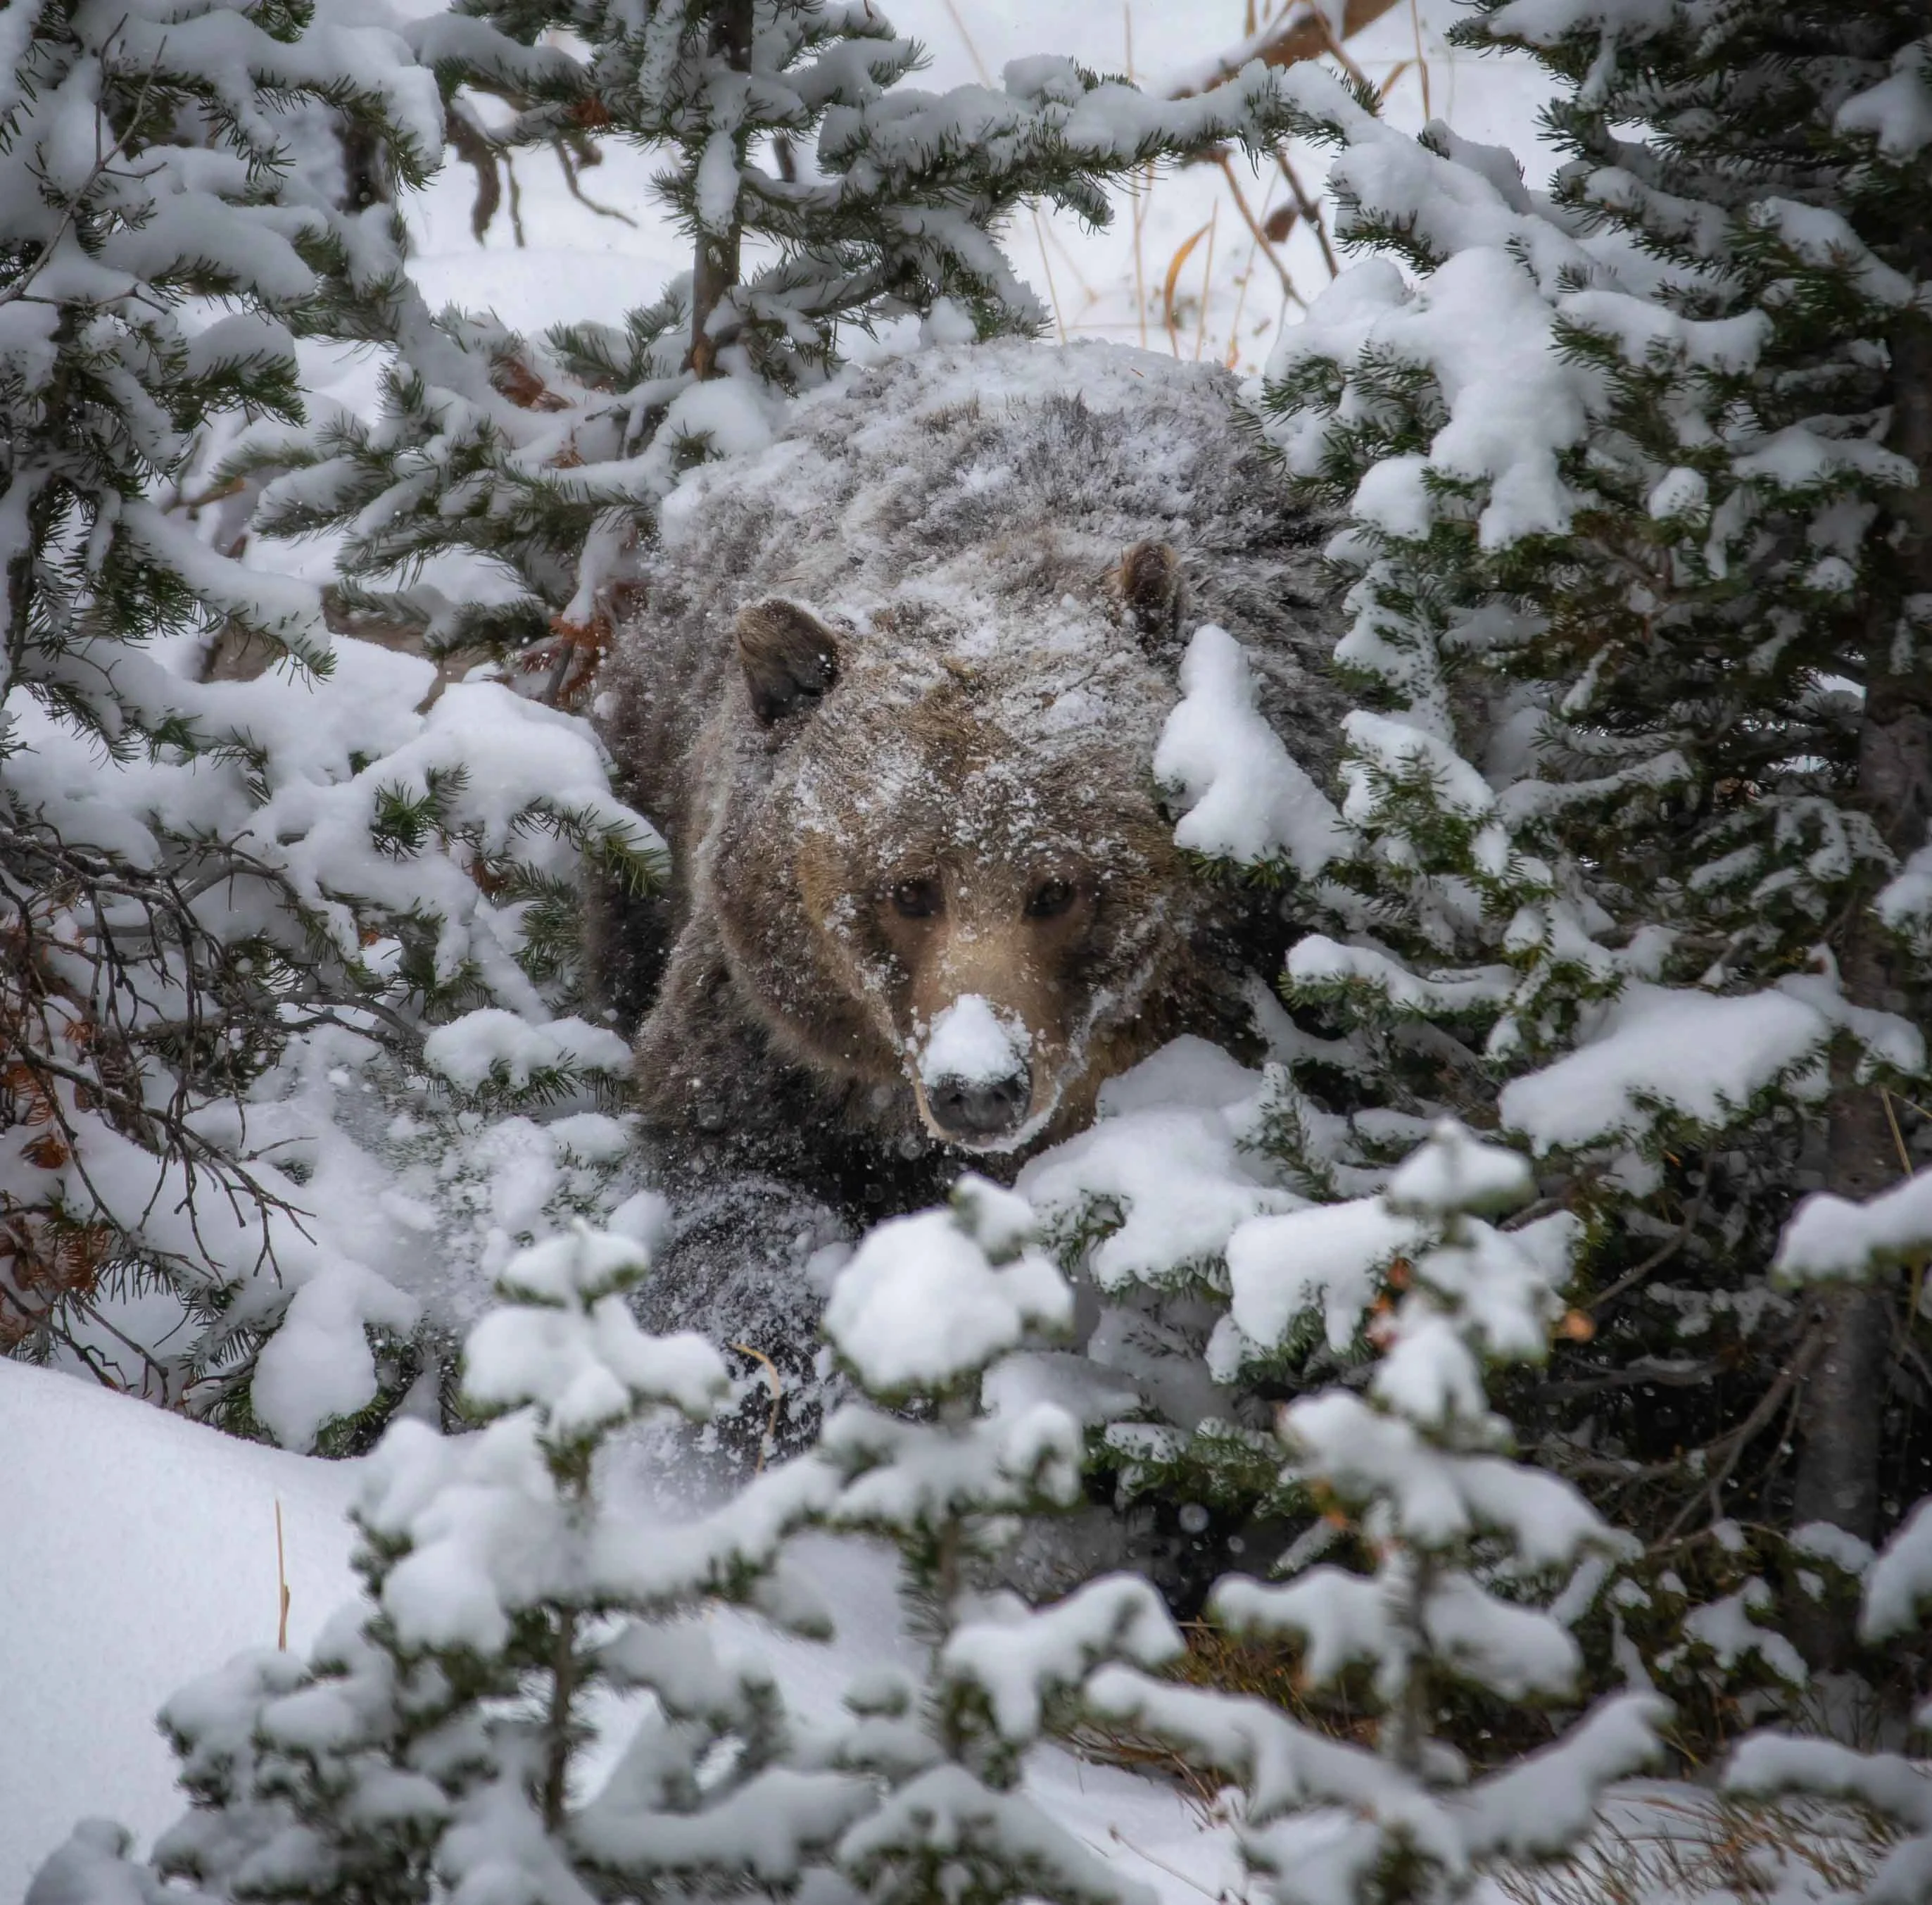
[
  {"x": 1466, "y": 1549},
  {"x": 1888, "y": 1787},
  {"x": 439, "y": 1740},
  {"x": 202, "y": 885},
  {"x": 1635, "y": 482},
  {"x": 1808, "y": 804},
  {"x": 927, "y": 1304},
  {"x": 434, "y": 1744},
  {"x": 1169, "y": 1209}
]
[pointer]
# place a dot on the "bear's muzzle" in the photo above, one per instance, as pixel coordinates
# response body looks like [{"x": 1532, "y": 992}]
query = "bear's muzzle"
[{"x": 973, "y": 1075}]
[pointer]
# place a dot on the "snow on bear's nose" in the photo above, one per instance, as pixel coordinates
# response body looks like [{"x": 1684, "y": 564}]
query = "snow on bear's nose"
[{"x": 974, "y": 1073}]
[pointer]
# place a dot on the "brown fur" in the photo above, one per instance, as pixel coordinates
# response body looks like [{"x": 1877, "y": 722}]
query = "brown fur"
[
  {"x": 792, "y": 923},
  {"x": 921, "y": 773},
  {"x": 988, "y": 829}
]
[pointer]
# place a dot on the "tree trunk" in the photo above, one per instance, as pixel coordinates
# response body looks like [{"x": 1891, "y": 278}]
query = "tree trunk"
[
  {"x": 1841, "y": 1410},
  {"x": 366, "y": 179},
  {"x": 559, "y": 1737},
  {"x": 715, "y": 270}
]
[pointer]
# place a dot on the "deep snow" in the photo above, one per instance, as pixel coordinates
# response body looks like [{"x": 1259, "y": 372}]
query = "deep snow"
[{"x": 138, "y": 1550}]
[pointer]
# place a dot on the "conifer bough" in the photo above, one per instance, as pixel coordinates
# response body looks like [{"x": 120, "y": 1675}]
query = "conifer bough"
[
  {"x": 820, "y": 194},
  {"x": 199, "y": 879},
  {"x": 1639, "y": 479}
]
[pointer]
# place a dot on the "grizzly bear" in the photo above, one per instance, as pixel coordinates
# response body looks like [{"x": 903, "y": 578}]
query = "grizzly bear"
[{"x": 893, "y": 695}]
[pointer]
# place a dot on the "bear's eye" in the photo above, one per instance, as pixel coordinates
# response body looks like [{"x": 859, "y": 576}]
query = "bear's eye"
[
  {"x": 916, "y": 899},
  {"x": 1049, "y": 899}
]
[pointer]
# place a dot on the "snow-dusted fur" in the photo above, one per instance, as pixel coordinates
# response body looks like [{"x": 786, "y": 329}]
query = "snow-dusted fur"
[{"x": 955, "y": 523}]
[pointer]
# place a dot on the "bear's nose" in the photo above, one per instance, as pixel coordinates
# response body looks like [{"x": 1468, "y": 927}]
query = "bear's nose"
[{"x": 976, "y": 1108}]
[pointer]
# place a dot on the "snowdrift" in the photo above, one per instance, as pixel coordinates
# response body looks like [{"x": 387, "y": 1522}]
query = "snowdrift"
[{"x": 139, "y": 1551}]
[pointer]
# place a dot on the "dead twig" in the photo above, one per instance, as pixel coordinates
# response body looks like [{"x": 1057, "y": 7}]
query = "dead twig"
[
  {"x": 1738, "y": 1440},
  {"x": 1310, "y": 209},
  {"x": 104, "y": 160},
  {"x": 474, "y": 148},
  {"x": 768, "y": 1439},
  {"x": 576, "y": 190},
  {"x": 1668, "y": 1248},
  {"x": 1301, "y": 32},
  {"x": 1248, "y": 217}
]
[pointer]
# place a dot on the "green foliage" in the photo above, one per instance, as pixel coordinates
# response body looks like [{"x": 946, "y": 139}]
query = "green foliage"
[
  {"x": 1628, "y": 696},
  {"x": 1468, "y": 1570},
  {"x": 206, "y": 885}
]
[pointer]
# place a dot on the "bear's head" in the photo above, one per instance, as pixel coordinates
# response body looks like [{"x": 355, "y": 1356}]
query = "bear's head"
[{"x": 941, "y": 866}]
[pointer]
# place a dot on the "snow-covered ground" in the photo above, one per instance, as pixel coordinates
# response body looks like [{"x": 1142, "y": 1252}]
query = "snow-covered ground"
[
  {"x": 138, "y": 1550},
  {"x": 139, "y": 1553}
]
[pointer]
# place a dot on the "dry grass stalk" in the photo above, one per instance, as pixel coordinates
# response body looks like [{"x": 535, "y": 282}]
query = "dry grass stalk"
[
  {"x": 777, "y": 1386},
  {"x": 281, "y": 1586},
  {"x": 1652, "y": 1844},
  {"x": 1254, "y": 225},
  {"x": 1140, "y": 271},
  {"x": 1174, "y": 269},
  {"x": 1206, "y": 284},
  {"x": 1038, "y": 228},
  {"x": 1046, "y": 265},
  {"x": 1394, "y": 75},
  {"x": 1331, "y": 44},
  {"x": 1224, "y": 1663},
  {"x": 1422, "y": 64},
  {"x": 1302, "y": 32}
]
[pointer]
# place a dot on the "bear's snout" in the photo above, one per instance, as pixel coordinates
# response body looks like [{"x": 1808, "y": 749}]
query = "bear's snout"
[
  {"x": 973, "y": 1075},
  {"x": 971, "y": 1112}
]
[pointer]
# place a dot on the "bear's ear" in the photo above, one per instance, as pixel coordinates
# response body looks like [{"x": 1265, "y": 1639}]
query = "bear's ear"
[
  {"x": 790, "y": 658},
  {"x": 1150, "y": 588}
]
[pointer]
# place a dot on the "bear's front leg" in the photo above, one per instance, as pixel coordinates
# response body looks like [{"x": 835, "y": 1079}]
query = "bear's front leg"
[{"x": 719, "y": 1097}]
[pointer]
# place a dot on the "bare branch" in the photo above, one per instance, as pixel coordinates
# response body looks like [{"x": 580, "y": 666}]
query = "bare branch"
[{"x": 1302, "y": 32}]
